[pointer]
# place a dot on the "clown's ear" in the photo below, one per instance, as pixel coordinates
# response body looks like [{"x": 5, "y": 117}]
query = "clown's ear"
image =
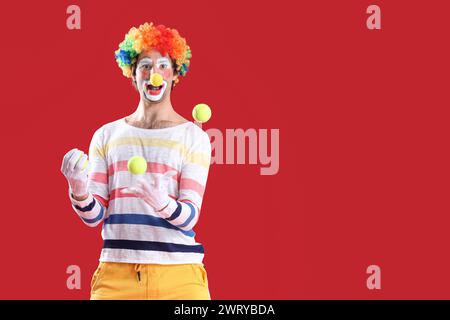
[{"x": 133, "y": 72}]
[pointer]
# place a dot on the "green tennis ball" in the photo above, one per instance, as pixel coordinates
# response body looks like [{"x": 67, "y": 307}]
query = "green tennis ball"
[
  {"x": 201, "y": 112},
  {"x": 85, "y": 163},
  {"x": 137, "y": 165}
]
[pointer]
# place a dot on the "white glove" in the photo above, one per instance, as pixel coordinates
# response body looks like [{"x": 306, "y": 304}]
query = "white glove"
[
  {"x": 155, "y": 193},
  {"x": 77, "y": 176}
]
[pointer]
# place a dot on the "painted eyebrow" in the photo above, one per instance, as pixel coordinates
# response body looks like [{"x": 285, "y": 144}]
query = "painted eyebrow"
[
  {"x": 145, "y": 60},
  {"x": 161, "y": 60},
  {"x": 149, "y": 60}
]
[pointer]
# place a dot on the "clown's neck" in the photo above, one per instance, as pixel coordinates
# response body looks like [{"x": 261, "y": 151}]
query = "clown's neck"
[{"x": 154, "y": 115}]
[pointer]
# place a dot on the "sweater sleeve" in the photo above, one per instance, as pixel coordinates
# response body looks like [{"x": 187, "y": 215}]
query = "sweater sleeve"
[
  {"x": 90, "y": 210},
  {"x": 98, "y": 181},
  {"x": 185, "y": 211},
  {"x": 93, "y": 210}
]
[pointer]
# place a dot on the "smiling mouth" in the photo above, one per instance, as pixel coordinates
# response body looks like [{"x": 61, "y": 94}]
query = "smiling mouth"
[{"x": 152, "y": 90}]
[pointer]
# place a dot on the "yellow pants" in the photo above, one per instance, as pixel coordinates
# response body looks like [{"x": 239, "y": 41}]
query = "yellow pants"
[{"x": 119, "y": 281}]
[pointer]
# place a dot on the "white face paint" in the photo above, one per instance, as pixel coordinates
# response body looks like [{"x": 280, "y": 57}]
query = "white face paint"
[{"x": 145, "y": 66}]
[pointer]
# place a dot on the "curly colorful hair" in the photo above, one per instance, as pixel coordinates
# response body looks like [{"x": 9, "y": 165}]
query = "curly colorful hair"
[{"x": 147, "y": 37}]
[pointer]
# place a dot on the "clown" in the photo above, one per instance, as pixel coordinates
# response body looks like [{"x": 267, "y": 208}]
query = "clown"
[
  {"x": 149, "y": 249},
  {"x": 153, "y": 52}
]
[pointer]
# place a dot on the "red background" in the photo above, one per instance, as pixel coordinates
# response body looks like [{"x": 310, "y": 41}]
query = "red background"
[{"x": 363, "y": 119}]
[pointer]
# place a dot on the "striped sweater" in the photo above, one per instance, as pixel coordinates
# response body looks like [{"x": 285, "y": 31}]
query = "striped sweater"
[{"x": 132, "y": 231}]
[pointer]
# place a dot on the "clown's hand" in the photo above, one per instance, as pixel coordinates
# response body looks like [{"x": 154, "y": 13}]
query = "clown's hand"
[
  {"x": 75, "y": 170},
  {"x": 155, "y": 193}
]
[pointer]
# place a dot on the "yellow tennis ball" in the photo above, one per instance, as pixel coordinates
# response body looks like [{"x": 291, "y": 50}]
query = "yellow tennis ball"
[
  {"x": 85, "y": 163},
  {"x": 137, "y": 165},
  {"x": 201, "y": 112},
  {"x": 156, "y": 80}
]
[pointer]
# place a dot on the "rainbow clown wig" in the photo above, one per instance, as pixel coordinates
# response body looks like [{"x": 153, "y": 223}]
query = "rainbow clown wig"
[{"x": 147, "y": 37}]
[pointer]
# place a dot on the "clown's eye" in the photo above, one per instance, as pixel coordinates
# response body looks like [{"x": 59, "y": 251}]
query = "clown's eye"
[
  {"x": 145, "y": 66},
  {"x": 163, "y": 66}
]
